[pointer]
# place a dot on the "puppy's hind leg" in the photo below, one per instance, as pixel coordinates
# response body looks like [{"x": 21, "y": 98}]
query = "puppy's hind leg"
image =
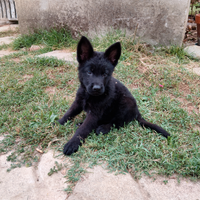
[{"x": 104, "y": 129}]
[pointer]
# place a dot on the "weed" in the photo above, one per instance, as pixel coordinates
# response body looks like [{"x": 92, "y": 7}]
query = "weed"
[
  {"x": 165, "y": 182},
  {"x": 73, "y": 175},
  {"x": 55, "y": 169}
]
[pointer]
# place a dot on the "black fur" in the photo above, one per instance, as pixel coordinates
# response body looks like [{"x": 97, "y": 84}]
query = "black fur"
[{"x": 106, "y": 100}]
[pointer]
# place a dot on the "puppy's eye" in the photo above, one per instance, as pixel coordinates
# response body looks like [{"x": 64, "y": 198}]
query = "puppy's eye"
[{"x": 89, "y": 72}]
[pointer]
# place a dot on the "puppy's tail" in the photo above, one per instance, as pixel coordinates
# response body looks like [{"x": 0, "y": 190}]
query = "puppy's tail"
[{"x": 155, "y": 127}]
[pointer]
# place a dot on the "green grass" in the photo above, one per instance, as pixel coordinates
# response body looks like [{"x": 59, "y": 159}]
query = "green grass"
[
  {"x": 28, "y": 110},
  {"x": 52, "y": 38}
]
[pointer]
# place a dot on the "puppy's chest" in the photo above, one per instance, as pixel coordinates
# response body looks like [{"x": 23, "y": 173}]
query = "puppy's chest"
[{"x": 97, "y": 106}]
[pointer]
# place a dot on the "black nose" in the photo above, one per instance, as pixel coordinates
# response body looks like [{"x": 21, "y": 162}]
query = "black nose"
[{"x": 96, "y": 88}]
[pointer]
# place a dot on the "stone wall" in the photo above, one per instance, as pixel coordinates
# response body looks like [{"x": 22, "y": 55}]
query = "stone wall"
[{"x": 157, "y": 21}]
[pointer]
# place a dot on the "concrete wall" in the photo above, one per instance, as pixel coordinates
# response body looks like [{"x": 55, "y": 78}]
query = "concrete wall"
[{"x": 159, "y": 21}]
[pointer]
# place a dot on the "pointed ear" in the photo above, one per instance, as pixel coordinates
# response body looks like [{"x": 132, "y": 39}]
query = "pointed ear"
[
  {"x": 84, "y": 50},
  {"x": 113, "y": 53}
]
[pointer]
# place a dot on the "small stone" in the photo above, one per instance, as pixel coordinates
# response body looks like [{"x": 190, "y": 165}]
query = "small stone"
[
  {"x": 35, "y": 48},
  {"x": 193, "y": 51},
  {"x": 196, "y": 70}
]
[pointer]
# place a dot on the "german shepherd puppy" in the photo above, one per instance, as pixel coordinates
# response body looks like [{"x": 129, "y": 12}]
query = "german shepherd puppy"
[{"x": 106, "y": 100}]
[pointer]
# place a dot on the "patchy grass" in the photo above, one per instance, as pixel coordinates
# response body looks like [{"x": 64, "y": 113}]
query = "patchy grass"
[
  {"x": 3, "y": 46},
  {"x": 9, "y": 32},
  {"x": 53, "y": 38},
  {"x": 37, "y": 91}
]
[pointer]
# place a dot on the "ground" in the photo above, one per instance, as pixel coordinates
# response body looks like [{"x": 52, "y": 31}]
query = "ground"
[{"x": 46, "y": 179}]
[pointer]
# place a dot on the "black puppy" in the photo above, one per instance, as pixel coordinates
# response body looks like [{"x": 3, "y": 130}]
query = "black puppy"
[{"x": 106, "y": 100}]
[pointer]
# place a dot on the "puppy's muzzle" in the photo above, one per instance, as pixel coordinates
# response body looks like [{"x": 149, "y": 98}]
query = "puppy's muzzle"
[{"x": 96, "y": 88}]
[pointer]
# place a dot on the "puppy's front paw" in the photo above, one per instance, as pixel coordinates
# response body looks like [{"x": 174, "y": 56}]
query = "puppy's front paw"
[
  {"x": 61, "y": 121},
  {"x": 71, "y": 147}
]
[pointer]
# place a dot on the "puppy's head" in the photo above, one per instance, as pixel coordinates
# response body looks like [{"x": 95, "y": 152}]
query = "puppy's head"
[{"x": 95, "y": 68}]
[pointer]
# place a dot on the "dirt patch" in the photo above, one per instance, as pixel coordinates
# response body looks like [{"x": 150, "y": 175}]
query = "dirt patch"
[
  {"x": 60, "y": 70},
  {"x": 6, "y": 53},
  {"x": 197, "y": 128},
  {"x": 11, "y": 27},
  {"x": 146, "y": 63},
  {"x": 70, "y": 82},
  {"x": 69, "y": 98},
  {"x": 17, "y": 60},
  {"x": 187, "y": 105},
  {"x": 185, "y": 89},
  {"x": 192, "y": 65},
  {"x": 67, "y": 50},
  {"x": 142, "y": 69},
  {"x": 133, "y": 86},
  {"x": 50, "y": 90},
  {"x": 25, "y": 78},
  {"x": 51, "y": 72}
]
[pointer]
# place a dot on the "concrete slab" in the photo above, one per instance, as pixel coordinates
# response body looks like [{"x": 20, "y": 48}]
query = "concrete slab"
[
  {"x": 32, "y": 183},
  {"x": 61, "y": 54},
  {"x": 10, "y": 27},
  {"x": 6, "y": 40},
  {"x": 196, "y": 70},
  {"x": 101, "y": 185},
  {"x": 193, "y": 51},
  {"x": 5, "y": 53}
]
